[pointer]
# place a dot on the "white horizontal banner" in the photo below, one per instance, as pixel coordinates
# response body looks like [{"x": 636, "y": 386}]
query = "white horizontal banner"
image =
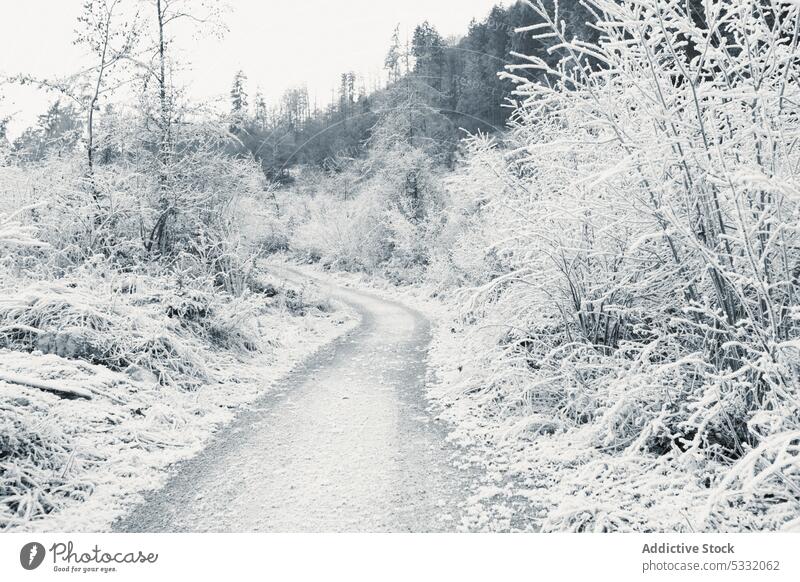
[{"x": 489, "y": 557}]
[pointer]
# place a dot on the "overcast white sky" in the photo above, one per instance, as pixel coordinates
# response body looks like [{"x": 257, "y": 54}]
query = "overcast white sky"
[{"x": 279, "y": 44}]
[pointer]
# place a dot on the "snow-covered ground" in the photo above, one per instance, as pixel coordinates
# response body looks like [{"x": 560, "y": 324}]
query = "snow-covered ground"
[{"x": 105, "y": 451}]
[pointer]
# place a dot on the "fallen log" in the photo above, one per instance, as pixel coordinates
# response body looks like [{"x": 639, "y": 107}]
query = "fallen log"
[{"x": 68, "y": 393}]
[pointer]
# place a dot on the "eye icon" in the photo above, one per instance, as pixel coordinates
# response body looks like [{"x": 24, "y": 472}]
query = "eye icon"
[{"x": 31, "y": 555}]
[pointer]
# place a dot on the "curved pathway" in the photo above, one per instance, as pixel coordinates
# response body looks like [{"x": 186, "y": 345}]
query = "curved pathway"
[{"x": 344, "y": 443}]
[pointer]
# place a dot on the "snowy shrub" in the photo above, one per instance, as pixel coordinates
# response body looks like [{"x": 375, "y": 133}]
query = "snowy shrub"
[
  {"x": 647, "y": 219},
  {"x": 381, "y": 214},
  {"x": 71, "y": 321},
  {"x": 126, "y": 214},
  {"x": 464, "y": 253},
  {"x": 198, "y": 215},
  {"x": 347, "y": 234},
  {"x": 33, "y": 463},
  {"x": 225, "y": 324},
  {"x": 13, "y": 234},
  {"x": 369, "y": 232}
]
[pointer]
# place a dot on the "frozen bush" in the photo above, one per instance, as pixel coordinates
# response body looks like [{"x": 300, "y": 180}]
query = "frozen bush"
[
  {"x": 33, "y": 466},
  {"x": 69, "y": 320},
  {"x": 645, "y": 220}
]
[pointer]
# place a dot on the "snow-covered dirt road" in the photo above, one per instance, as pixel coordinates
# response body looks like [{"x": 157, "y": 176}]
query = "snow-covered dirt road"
[{"x": 346, "y": 443}]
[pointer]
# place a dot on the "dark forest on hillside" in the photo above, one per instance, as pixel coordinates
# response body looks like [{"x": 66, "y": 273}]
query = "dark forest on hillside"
[{"x": 442, "y": 87}]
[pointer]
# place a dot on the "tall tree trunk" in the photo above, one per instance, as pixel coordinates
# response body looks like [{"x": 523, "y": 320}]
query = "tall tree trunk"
[
  {"x": 90, "y": 118},
  {"x": 158, "y": 236}
]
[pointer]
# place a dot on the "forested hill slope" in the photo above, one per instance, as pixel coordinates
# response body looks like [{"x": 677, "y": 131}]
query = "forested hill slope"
[{"x": 444, "y": 85}]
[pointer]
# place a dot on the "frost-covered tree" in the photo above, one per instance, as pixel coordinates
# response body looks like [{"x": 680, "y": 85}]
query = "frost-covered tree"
[
  {"x": 239, "y": 103},
  {"x": 111, "y": 37},
  {"x": 393, "y": 58},
  {"x": 161, "y": 101},
  {"x": 57, "y": 132},
  {"x": 110, "y": 34}
]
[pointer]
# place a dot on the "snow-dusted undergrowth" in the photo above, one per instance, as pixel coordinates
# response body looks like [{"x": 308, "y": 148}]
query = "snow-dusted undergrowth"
[
  {"x": 68, "y": 462},
  {"x": 635, "y": 342}
]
